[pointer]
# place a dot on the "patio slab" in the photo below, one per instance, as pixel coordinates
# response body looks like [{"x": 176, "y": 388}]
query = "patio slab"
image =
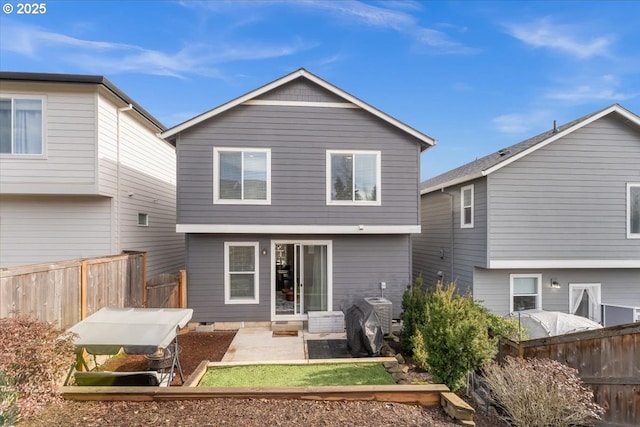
[{"x": 259, "y": 345}]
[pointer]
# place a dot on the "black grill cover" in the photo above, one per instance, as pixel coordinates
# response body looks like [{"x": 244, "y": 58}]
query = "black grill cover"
[{"x": 364, "y": 332}]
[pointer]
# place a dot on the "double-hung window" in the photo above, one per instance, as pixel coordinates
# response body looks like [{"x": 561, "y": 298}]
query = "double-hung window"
[
  {"x": 353, "y": 177},
  {"x": 21, "y": 129},
  {"x": 526, "y": 292},
  {"x": 242, "y": 175},
  {"x": 633, "y": 211},
  {"x": 466, "y": 206},
  {"x": 241, "y": 273}
]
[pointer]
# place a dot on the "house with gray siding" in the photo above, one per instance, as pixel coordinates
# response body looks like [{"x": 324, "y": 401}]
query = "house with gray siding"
[
  {"x": 295, "y": 197},
  {"x": 83, "y": 174},
  {"x": 552, "y": 222}
]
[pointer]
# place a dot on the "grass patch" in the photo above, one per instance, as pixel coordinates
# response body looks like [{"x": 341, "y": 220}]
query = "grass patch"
[{"x": 297, "y": 375}]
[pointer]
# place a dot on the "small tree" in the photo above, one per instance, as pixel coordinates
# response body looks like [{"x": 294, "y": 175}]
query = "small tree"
[
  {"x": 34, "y": 356},
  {"x": 413, "y": 314},
  {"x": 541, "y": 393}
]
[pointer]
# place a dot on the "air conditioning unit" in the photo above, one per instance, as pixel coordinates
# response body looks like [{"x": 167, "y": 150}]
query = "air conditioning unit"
[{"x": 384, "y": 309}]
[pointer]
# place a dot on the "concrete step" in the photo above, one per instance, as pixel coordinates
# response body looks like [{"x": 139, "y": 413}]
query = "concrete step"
[{"x": 287, "y": 325}]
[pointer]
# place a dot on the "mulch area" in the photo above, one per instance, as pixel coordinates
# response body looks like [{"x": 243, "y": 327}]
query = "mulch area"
[{"x": 196, "y": 347}]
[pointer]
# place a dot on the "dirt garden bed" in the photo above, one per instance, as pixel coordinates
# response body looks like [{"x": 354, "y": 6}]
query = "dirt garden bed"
[{"x": 247, "y": 412}]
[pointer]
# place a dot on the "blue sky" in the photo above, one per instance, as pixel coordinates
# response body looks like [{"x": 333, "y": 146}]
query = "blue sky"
[{"x": 475, "y": 75}]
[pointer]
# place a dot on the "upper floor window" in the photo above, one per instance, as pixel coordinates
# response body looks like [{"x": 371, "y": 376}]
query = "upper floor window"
[
  {"x": 466, "y": 206},
  {"x": 633, "y": 211},
  {"x": 353, "y": 177},
  {"x": 21, "y": 125},
  {"x": 242, "y": 175}
]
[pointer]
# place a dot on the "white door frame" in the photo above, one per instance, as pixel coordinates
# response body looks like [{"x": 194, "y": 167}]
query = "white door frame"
[
  {"x": 582, "y": 286},
  {"x": 329, "y": 245}
]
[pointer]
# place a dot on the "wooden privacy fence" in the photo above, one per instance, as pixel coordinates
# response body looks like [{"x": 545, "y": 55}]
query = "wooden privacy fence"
[
  {"x": 167, "y": 291},
  {"x": 608, "y": 360},
  {"x": 66, "y": 292}
]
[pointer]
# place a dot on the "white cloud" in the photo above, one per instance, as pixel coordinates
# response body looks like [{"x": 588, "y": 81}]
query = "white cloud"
[
  {"x": 109, "y": 57},
  {"x": 522, "y": 123},
  {"x": 603, "y": 89},
  {"x": 565, "y": 38}
]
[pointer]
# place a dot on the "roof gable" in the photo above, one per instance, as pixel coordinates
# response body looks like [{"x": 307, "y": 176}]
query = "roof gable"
[
  {"x": 257, "y": 96},
  {"x": 495, "y": 161}
]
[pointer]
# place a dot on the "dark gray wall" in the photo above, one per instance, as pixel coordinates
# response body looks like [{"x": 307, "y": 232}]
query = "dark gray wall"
[
  {"x": 432, "y": 248},
  {"x": 360, "y": 263},
  {"x": 568, "y": 199},
  {"x": 299, "y": 138}
]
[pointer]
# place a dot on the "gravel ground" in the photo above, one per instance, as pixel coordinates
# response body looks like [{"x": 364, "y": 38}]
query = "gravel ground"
[{"x": 237, "y": 412}]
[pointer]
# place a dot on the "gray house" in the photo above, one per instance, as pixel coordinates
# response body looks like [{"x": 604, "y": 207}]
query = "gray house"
[
  {"x": 552, "y": 222},
  {"x": 295, "y": 197}
]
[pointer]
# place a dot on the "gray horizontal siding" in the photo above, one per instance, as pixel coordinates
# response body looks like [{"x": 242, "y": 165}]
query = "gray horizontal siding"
[
  {"x": 568, "y": 199},
  {"x": 301, "y": 90},
  {"x": 69, "y": 165},
  {"x": 359, "y": 265},
  {"x": 38, "y": 229},
  {"x": 618, "y": 287},
  {"x": 299, "y": 138},
  {"x": 432, "y": 252}
]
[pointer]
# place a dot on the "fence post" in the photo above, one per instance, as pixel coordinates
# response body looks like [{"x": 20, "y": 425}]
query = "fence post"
[
  {"x": 83, "y": 289},
  {"x": 182, "y": 285},
  {"x": 144, "y": 279}
]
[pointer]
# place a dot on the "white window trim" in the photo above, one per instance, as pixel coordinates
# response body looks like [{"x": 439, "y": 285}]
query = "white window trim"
[
  {"x": 583, "y": 286},
  {"x": 512, "y": 294},
  {"x": 462, "y": 206},
  {"x": 377, "y": 202},
  {"x": 631, "y": 235},
  {"x": 146, "y": 217},
  {"x": 216, "y": 176},
  {"x": 43, "y": 99},
  {"x": 227, "y": 274}
]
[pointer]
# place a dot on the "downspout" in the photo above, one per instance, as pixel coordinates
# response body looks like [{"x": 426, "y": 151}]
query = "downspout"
[
  {"x": 118, "y": 198},
  {"x": 451, "y": 231}
]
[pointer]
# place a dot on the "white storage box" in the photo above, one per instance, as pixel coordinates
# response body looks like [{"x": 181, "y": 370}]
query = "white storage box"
[
  {"x": 326, "y": 321},
  {"x": 384, "y": 309}
]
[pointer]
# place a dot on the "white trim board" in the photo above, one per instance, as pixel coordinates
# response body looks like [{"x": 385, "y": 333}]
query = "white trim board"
[
  {"x": 564, "y": 263},
  {"x": 297, "y": 229},
  {"x": 276, "y": 103}
]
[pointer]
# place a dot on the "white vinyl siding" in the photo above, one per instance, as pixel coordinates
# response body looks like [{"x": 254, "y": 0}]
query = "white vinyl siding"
[
  {"x": 353, "y": 177},
  {"x": 22, "y": 125},
  {"x": 633, "y": 211},
  {"x": 241, "y": 273},
  {"x": 526, "y": 291},
  {"x": 466, "y": 206},
  {"x": 242, "y": 176}
]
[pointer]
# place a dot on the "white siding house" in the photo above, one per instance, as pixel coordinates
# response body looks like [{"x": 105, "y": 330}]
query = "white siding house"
[{"x": 82, "y": 174}]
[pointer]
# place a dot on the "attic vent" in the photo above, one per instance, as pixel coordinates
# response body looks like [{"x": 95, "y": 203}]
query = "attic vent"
[{"x": 503, "y": 152}]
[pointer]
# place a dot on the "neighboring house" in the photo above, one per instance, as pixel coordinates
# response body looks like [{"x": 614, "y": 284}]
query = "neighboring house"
[
  {"x": 552, "y": 222},
  {"x": 83, "y": 174},
  {"x": 295, "y": 186}
]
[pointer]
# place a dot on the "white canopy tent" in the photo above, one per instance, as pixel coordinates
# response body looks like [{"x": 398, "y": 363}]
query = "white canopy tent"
[{"x": 541, "y": 323}]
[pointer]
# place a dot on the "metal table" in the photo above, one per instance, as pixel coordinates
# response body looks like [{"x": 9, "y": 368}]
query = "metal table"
[{"x": 136, "y": 330}]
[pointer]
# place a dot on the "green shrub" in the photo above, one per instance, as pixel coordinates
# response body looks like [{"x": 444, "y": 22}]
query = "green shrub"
[
  {"x": 34, "y": 356},
  {"x": 413, "y": 314},
  {"x": 541, "y": 393},
  {"x": 8, "y": 406}
]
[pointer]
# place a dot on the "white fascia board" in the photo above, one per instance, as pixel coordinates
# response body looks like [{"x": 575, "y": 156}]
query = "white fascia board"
[
  {"x": 563, "y": 263},
  {"x": 297, "y": 229},
  {"x": 614, "y": 108}
]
